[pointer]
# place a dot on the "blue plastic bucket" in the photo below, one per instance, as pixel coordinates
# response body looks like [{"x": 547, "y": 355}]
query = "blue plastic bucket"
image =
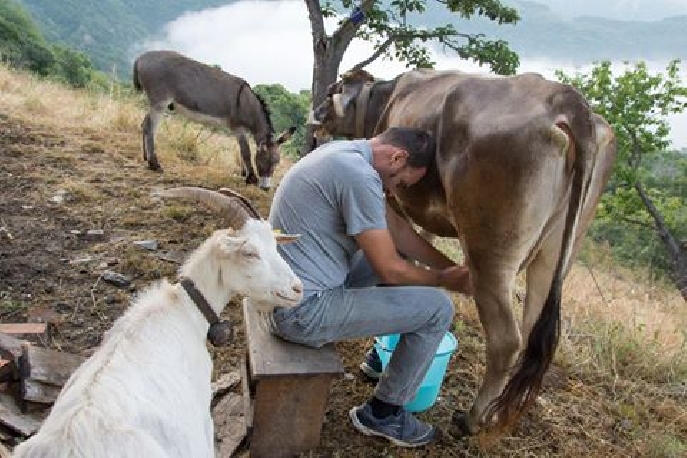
[{"x": 428, "y": 391}]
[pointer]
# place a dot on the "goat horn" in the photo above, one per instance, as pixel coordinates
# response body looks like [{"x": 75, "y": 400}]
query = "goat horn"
[
  {"x": 250, "y": 208},
  {"x": 232, "y": 207}
]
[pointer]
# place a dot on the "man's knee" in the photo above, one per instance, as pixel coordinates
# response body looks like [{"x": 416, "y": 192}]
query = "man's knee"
[{"x": 444, "y": 309}]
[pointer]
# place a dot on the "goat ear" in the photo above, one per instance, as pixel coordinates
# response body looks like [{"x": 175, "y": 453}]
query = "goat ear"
[
  {"x": 228, "y": 245},
  {"x": 286, "y": 135},
  {"x": 286, "y": 238}
]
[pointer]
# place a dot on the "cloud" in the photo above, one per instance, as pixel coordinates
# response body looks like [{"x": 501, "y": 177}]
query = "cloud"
[{"x": 266, "y": 42}]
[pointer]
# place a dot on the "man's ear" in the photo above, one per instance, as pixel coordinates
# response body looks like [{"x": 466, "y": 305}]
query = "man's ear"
[{"x": 399, "y": 154}]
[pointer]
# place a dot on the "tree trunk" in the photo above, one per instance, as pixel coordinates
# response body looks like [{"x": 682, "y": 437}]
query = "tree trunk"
[
  {"x": 328, "y": 51},
  {"x": 325, "y": 70},
  {"x": 675, "y": 251}
]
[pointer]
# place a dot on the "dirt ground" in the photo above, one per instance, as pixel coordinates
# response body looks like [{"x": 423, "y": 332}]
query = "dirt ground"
[{"x": 55, "y": 183}]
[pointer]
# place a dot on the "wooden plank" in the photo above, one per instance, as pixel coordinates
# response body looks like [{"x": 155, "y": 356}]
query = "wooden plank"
[
  {"x": 48, "y": 366},
  {"x": 10, "y": 351},
  {"x": 23, "y": 328},
  {"x": 35, "y": 391},
  {"x": 230, "y": 427},
  {"x": 288, "y": 415},
  {"x": 271, "y": 356},
  {"x": 10, "y": 347},
  {"x": 11, "y": 417},
  {"x": 247, "y": 396}
]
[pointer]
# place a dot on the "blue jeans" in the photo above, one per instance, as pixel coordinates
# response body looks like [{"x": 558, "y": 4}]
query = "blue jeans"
[{"x": 359, "y": 309}]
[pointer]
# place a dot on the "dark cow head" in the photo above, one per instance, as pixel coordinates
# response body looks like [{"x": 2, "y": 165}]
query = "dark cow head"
[{"x": 336, "y": 114}]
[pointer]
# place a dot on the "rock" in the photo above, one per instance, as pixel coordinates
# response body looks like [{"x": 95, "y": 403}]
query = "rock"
[
  {"x": 150, "y": 245},
  {"x": 95, "y": 234},
  {"x": 116, "y": 279},
  {"x": 224, "y": 383}
]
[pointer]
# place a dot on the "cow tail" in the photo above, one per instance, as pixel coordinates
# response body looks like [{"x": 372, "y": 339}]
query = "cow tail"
[{"x": 524, "y": 385}]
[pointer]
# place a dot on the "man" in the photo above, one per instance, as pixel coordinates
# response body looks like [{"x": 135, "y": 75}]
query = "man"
[{"x": 350, "y": 243}]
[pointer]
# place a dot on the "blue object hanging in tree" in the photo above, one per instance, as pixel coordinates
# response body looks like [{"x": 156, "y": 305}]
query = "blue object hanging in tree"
[{"x": 357, "y": 15}]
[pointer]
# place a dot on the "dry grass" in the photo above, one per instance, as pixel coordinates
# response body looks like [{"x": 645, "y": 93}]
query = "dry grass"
[{"x": 623, "y": 355}]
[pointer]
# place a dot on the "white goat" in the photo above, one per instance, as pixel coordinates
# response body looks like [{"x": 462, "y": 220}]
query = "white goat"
[{"x": 146, "y": 391}]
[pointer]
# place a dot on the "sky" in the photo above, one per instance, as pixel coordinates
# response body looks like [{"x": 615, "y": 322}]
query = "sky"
[
  {"x": 627, "y": 10},
  {"x": 277, "y": 48}
]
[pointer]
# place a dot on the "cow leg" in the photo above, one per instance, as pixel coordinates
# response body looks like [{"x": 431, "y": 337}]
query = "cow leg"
[
  {"x": 493, "y": 289},
  {"x": 246, "y": 164},
  {"x": 149, "y": 127}
]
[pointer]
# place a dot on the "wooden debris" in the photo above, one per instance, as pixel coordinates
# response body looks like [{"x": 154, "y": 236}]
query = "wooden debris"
[
  {"x": 44, "y": 371},
  {"x": 10, "y": 352},
  {"x": 11, "y": 417},
  {"x": 24, "y": 329},
  {"x": 230, "y": 427}
]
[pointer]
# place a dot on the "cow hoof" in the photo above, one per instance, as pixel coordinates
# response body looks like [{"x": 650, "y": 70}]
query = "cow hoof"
[
  {"x": 251, "y": 179},
  {"x": 266, "y": 189},
  {"x": 459, "y": 425}
]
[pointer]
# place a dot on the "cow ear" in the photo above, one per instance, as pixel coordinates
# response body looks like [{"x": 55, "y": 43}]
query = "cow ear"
[
  {"x": 341, "y": 103},
  {"x": 286, "y": 135}
]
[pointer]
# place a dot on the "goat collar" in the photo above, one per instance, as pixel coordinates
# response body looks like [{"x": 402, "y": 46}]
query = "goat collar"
[
  {"x": 361, "y": 110},
  {"x": 220, "y": 332}
]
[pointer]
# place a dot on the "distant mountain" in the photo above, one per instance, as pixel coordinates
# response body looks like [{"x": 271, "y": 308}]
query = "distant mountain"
[
  {"x": 543, "y": 32},
  {"x": 107, "y": 30}
]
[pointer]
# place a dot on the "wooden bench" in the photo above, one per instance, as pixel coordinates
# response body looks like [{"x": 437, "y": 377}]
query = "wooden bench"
[{"x": 286, "y": 388}]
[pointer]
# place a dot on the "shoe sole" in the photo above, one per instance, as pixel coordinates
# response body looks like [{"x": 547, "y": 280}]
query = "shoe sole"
[
  {"x": 371, "y": 432},
  {"x": 371, "y": 373}
]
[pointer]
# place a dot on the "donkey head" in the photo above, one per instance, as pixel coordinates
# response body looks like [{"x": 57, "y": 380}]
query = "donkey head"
[
  {"x": 268, "y": 154},
  {"x": 336, "y": 114}
]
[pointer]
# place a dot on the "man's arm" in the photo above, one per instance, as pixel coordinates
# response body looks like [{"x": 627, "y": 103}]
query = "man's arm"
[
  {"x": 412, "y": 244},
  {"x": 382, "y": 255}
]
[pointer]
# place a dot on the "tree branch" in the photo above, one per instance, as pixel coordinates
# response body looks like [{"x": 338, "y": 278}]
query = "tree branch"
[
  {"x": 316, "y": 21},
  {"x": 637, "y": 222},
  {"x": 375, "y": 55},
  {"x": 669, "y": 240},
  {"x": 343, "y": 36}
]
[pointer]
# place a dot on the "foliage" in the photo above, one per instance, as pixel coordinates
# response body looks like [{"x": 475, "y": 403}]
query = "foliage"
[
  {"x": 22, "y": 45},
  {"x": 636, "y": 103},
  {"x": 387, "y": 26},
  {"x": 287, "y": 109}
]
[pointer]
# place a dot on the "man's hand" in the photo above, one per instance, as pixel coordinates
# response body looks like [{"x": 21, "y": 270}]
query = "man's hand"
[{"x": 456, "y": 278}]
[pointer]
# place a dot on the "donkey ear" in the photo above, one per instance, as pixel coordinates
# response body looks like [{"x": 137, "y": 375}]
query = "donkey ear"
[{"x": 286, "y": 135}]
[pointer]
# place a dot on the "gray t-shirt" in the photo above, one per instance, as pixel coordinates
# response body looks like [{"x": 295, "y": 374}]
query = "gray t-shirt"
[{"x": 328, "y": 196}]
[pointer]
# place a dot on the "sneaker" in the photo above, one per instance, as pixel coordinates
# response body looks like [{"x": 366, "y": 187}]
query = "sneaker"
[
  {"x": 372, "y": 366},
  {"x": 403, "y": 429}
]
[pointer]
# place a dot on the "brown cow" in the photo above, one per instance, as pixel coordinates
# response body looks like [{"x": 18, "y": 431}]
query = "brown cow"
[
  {"x": 520, "y": 166},
  {"x": 207, "y": 95}
]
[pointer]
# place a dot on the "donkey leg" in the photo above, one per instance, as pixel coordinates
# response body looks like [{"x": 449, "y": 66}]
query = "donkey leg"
[
  {"x": 149, "y": 126},
  {"x": 247, "y": 165},
  {"x": 493, "y": 288}
]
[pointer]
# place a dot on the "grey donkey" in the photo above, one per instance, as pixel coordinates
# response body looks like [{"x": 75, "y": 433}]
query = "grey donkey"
[{"x": 210, "y": 96}]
